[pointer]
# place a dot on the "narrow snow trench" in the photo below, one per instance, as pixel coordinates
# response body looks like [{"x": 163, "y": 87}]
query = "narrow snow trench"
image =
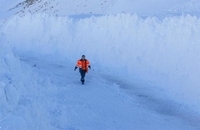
[{"x": 106, "y": 102}]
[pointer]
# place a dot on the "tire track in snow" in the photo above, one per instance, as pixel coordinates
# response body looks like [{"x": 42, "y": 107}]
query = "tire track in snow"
[{"x": 154, "y": 99}]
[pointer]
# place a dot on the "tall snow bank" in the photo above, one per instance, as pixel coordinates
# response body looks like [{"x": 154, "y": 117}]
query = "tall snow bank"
[
  {"x": 19, "y": 93},
  {"x": 164, "y": 52}
]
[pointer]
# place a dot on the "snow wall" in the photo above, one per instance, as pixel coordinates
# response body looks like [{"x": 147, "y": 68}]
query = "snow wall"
[
  {"x": 164, "y": 52},
  {"x": 20, "y": 94}
]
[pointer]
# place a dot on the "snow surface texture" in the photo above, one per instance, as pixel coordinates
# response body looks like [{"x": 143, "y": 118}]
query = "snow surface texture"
[{"x": 144, "y": 71}]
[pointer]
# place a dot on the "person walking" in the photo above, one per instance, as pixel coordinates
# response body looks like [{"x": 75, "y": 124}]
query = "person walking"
[{"x": 83, "y": 65}]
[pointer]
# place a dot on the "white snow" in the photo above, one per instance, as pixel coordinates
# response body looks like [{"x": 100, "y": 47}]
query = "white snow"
[{"x": 145, "y": 68}]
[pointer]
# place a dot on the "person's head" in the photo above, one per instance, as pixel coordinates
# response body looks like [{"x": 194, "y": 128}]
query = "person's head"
[{"x": 83, "y": 57}]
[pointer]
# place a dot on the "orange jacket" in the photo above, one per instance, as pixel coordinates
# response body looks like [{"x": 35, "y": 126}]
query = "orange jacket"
[{"x": 83, "y": 64}]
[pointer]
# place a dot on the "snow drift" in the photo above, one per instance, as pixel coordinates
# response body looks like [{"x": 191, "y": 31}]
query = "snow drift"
[
  {"x": 164, "y": 52},
  {"x": 19, "y": 93}
]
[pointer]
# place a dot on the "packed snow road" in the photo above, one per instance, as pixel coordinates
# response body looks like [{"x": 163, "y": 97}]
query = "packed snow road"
[{"x": 105, "y": 102}]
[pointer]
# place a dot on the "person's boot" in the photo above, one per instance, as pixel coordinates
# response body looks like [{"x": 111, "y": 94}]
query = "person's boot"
[{"x": 82, "y": 80}]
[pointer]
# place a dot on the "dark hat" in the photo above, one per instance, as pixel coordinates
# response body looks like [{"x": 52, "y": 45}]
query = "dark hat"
[{"x": 83, "y": 55}]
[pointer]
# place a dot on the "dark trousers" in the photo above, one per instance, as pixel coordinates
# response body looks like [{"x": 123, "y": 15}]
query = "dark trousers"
[{"x": 82, "y": 72}]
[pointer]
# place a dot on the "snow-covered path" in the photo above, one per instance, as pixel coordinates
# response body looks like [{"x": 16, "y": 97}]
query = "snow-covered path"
[
  {"x": 39, "y": 89},
  {"x": 104, "y": 102}
]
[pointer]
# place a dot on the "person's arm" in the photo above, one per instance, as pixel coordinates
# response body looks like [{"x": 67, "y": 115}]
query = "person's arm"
[
  {"x": 88, "y": 64},
  {"x": 75, "y": 68},
  {"x": 77, "y": 65}
]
